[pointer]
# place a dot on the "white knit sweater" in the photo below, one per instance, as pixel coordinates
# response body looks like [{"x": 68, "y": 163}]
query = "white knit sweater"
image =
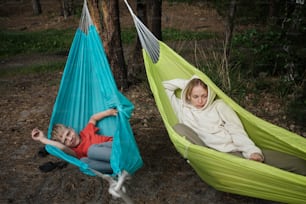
[{"x": 216, "y": 123}]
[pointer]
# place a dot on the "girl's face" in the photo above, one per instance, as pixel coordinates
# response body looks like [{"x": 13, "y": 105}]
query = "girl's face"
[
  {"x": 198, "y": 96},
  {"x": 69, "y": 138}
]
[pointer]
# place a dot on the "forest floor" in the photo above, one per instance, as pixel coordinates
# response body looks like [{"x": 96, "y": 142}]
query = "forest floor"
[{"x": 26, "y": 102}]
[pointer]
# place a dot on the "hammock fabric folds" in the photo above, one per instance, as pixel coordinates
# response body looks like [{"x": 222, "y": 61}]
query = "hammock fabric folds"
[
  {"x": 223, "y": 171},
  {"x": 88, "y": 87}
]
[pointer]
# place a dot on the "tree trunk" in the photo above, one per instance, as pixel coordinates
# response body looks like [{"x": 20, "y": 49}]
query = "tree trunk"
[
  {"x": 271, "y": 15},
  {"x": 227, "y": 45},
  {"x": 36, "y": 7},
  {"x": 95, "y": 13},
  {"x": 105, "y": 16},
  {"x": 111, "y": 35},
  {"x": 136, "y": 70},
  {"x": 147, "y": 11},
  {"x": 66, "y": 7},
  {"x": 155, "y": 11}
]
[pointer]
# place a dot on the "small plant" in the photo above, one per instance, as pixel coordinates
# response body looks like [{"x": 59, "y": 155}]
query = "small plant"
[
  {"x": 210, "y": 62},
  {"x": 296, "y": 108}
]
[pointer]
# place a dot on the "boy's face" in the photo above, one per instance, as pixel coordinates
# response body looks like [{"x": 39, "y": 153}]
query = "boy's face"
[{"x": 69, "y": 138}]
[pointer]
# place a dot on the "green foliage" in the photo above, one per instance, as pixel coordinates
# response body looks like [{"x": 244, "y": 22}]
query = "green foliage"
[
  {"x": 243, "y": 84},
  {"x": 49, "y": 67},
  {"x": 285, "y": 87},
  {"x": 211, "y": 63},
  {"x": 271, "y": 53},
  {"x": 297, "y": 108},
  {"x": 53, "y": 41},
  {"x": 48, "y": 41},
  {"x": 258, "y": 51},
  {"x": 239, "y": 84},
  {"x": 172, "y": 34},
  {"x": 184, "y": 1},
  {"x": 128, "y": 35},
  {"x": 246, "y": 11}
]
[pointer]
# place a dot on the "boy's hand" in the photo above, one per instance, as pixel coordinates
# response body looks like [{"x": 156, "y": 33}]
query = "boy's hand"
[
  {"x": 98, "y": 116},
  {"x": 112, "y": 111},
  {"x": 37, "y": 134}
]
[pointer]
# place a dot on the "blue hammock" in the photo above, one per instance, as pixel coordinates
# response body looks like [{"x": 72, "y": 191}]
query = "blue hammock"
[{"x": 88, "y": 87}]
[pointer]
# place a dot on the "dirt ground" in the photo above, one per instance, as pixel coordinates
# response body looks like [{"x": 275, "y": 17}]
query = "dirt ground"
[{"x": 26, "y": 102}]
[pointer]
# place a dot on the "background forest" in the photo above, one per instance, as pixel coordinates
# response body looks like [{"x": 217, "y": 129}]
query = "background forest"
[
  {"x": 253, "y": 50},
  {"x": 261, "y": 48}
]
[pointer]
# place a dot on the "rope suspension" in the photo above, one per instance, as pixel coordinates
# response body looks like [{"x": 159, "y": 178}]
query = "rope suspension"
[
  {"x": 148, "y": 41},
  {"x": 85, "y": 20}
]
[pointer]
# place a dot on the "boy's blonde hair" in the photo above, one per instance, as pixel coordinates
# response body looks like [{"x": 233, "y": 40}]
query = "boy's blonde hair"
[{"x": 57, "y": 131}]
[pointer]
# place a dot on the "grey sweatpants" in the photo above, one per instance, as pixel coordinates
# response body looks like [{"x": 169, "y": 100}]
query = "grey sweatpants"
[
  {"x": 99, "y": 157},
  {"x": 281, "y": 160}
]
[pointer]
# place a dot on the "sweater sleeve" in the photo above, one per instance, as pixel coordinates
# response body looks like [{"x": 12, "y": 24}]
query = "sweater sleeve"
[
  {"x": 235, "y": 128},
  {"x": 170, "y": 87}
]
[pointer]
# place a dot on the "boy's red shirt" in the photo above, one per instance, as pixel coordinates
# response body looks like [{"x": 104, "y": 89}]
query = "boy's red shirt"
[{"x": 88, "y": 137}]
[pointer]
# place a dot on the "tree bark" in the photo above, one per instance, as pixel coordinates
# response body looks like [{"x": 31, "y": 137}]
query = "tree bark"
[
  {"x": 111, "y": 35},
  {"x": 155, "y": 11},
  {"x": 271, "y": 15},
  {"x": 96, "y": 14},
  {"x": 105, "y": 16},
  {"x": 36, "y": 7},
  {"x": 136, "y": 70},
  {"x": 66, "y": 7},
  {"x": 149, "y": 12}
]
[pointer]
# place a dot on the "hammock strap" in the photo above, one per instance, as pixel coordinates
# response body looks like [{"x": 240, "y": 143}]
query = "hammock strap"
[
  {"x": 85, "y": 20},
  {"x": 186, "y": 150},
  {"x": 148, "y": 41},
  {"x": 116, "y": 188}
]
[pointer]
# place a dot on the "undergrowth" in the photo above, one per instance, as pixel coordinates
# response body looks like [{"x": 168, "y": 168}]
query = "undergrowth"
[
  {"x": 45, "y": 68},
  {"x": 47, "y": 41},
  {"x": 251, "y": 52},
  {"x": 249, "y": 72}
]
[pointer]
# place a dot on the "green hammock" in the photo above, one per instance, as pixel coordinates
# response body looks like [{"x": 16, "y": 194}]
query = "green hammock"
[{"x": 223, "y": 171}]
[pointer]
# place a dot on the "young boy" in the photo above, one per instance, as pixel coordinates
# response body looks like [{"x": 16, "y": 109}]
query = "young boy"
[{"x": 88, "y": 146}]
